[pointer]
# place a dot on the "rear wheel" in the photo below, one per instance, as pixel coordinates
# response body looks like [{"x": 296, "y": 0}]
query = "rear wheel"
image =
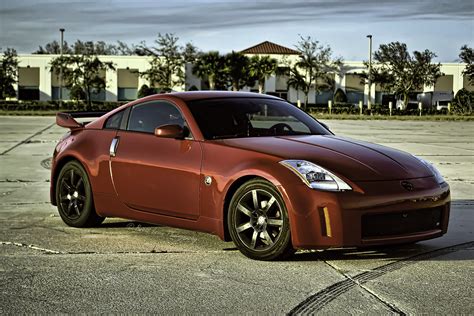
[
  {"x": 258, "y": 221},
  {"x": 74, "y": 197}
]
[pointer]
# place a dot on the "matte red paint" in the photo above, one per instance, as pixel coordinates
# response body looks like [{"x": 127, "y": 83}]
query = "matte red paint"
[{"x": 161, "y": 180}]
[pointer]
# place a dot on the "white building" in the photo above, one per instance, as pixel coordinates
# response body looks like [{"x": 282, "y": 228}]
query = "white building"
[{"x": 37, "y": 82}]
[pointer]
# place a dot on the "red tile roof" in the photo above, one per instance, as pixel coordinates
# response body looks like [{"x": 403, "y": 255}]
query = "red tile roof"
[{"x": 270, "y": 48}]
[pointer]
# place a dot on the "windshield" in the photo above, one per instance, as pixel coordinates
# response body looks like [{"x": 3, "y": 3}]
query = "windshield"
[{"x": 252, "y": 117}]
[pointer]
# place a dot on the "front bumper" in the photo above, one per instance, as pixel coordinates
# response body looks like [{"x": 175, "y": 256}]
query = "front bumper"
[{"x": 376, "y": 213}]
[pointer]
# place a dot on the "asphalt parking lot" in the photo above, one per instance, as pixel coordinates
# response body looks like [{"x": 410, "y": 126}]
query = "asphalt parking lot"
[{"x": 130, "y": 267}]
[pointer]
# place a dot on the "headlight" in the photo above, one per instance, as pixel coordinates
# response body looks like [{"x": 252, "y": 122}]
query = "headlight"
[
  {"x": 315, "y": 176},
  {"x": 439, "y": 178}
]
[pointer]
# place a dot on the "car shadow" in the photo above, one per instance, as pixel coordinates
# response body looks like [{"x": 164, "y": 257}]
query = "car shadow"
[{"x": 127, "y": 224}]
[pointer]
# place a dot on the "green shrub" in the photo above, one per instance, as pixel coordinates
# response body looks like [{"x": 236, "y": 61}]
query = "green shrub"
[
  {"x": 145, "y": 91},
  {"x": 54, "y": 106},
  {"x": 462, "y": 103}
]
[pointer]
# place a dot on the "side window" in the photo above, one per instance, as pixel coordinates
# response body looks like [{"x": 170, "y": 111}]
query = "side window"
[
  {"x": 114, "y": 121},
  {"x": 146, "y": 117}
]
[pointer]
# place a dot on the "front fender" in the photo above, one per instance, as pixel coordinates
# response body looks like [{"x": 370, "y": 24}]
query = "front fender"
[{"x": 229, "y": 168}]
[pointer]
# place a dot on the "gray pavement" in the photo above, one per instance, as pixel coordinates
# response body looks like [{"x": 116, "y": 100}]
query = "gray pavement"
[{"x": 124, "y": 266}]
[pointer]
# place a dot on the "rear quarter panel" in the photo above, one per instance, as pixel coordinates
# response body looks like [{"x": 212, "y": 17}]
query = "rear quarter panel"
[{"x": 91, "y": 148}]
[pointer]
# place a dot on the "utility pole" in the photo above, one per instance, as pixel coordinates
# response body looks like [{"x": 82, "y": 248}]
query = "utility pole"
[
  {"x": 61, "y": 70},
  {"x": 370, "y": 73}
]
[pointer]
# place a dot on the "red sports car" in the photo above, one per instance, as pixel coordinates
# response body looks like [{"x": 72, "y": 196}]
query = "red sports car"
[{"x": 247, "y": 167}]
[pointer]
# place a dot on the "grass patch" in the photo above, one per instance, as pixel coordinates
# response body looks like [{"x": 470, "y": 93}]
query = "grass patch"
[
  {"x": 395, "y": 117},
  {"x": 29, "y": 113}
]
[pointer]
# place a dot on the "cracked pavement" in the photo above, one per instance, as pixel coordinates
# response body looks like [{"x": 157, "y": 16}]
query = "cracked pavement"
[{"x": 129, "y": 267}]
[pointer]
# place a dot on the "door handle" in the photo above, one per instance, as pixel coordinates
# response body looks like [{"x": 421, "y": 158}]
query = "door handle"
[{"x": 113, "y": 146}]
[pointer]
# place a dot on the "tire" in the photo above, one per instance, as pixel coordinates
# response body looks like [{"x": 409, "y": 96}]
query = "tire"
[
  {"x": 260, "y": 228},
  {"x": 74, "y": 197}
]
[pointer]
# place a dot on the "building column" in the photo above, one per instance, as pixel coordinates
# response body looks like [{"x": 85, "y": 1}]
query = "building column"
[
  {"x": 142, "y": 81},
  {"x": 15, "y": 84},
  {"x": 270, "y": 84},
  {"x": 458, "y": 80},
  {"x": 340, "y": 80},
  {"x": 369, "y": 94},
  {"x": 45, "y": 88},
  {"x": 111, "y": 89}
]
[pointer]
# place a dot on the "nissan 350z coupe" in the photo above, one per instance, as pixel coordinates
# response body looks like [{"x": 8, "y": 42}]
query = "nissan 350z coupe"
[{"x": 247, "y": 167}]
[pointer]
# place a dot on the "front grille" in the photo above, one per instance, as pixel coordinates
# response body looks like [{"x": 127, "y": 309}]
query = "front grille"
[{"x": 400, "y": 223}]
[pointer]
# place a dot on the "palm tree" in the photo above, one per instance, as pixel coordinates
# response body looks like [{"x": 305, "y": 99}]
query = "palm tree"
[
  {"x": 296, "y": 80},
  {"x": 238, "y": 70},
  {"x": 315, "y": 62},
  {"x": 209, "y": 65},
  {"x": 261, "y": 68}
]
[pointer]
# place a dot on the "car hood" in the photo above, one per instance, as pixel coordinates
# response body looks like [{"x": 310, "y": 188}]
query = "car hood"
[{"x": 353, "y": 159}]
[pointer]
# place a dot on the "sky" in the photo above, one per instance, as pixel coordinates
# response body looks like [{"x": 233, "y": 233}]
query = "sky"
[{"x": 438, "y": 25}]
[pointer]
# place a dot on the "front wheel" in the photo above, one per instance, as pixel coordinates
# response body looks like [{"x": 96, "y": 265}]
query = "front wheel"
[
  {"x": 74, "y": 197},
  {"x": 258, "y": 221}
]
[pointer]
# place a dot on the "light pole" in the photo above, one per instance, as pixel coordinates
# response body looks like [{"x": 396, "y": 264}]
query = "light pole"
[
  {"x": 370, "y": 72},
  {"x": 61, "y": 70}
]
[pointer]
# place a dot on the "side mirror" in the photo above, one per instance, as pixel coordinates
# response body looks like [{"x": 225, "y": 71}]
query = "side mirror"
[{"x": 171, "y": 131}]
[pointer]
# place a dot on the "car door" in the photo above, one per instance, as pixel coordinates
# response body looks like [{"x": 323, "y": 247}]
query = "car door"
[{"x": 154, "y": 174}]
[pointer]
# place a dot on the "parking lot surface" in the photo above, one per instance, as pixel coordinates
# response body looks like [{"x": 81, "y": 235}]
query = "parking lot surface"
[{"x": 125, "y": 266}]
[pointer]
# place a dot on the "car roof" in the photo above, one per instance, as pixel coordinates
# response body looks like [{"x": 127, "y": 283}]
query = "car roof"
[
  {"x": 201, "y": 95},
  {"x": 185, "y": 96}
]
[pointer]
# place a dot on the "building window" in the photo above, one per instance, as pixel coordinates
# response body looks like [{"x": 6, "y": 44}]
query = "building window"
[
  {"x": 55, "y": 93},
  {"x": 127, "y": 84},
  {"x": 322, "y": 97},
  {"x": 98, "y": 95},
  {"x": 28, "y": 83},
  {"x": 29, "y": 93},
  {"x": 354, "y": 96},
  {"x": 127, "y": 94}
]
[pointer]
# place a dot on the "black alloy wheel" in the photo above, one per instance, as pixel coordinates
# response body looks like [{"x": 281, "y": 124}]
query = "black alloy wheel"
[
  {"x": 258, "y": 221},
  {"x": 74, "y": 197}
]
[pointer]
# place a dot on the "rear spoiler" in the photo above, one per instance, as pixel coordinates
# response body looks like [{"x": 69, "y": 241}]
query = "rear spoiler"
[{"x": 67, "y": 119}]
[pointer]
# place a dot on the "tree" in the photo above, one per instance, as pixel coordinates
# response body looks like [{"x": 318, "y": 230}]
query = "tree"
[
  {"x": 54, "y": 48},
  {"x": 190, "y": 53},
  {"x": 315, "y": 63},
  {"x": 8, "y": 73},
  {"x": 463, "y": 102},
  {"x": 402, "y": 73},
  {"x": 82, "y": 74},
  {"x": 238, "y": 70},
  {"x": 90, "y": 47},
  {"x": 261, "y": 68},
  {"x": 145, "y": 91},
  {"x": 211, "y": 66},
  {"x": 467, "y": 56},
  {"x": 166, "y": 66}
]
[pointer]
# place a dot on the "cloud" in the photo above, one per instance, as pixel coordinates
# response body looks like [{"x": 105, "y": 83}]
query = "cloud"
[{"x": 29, "y": 23}]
